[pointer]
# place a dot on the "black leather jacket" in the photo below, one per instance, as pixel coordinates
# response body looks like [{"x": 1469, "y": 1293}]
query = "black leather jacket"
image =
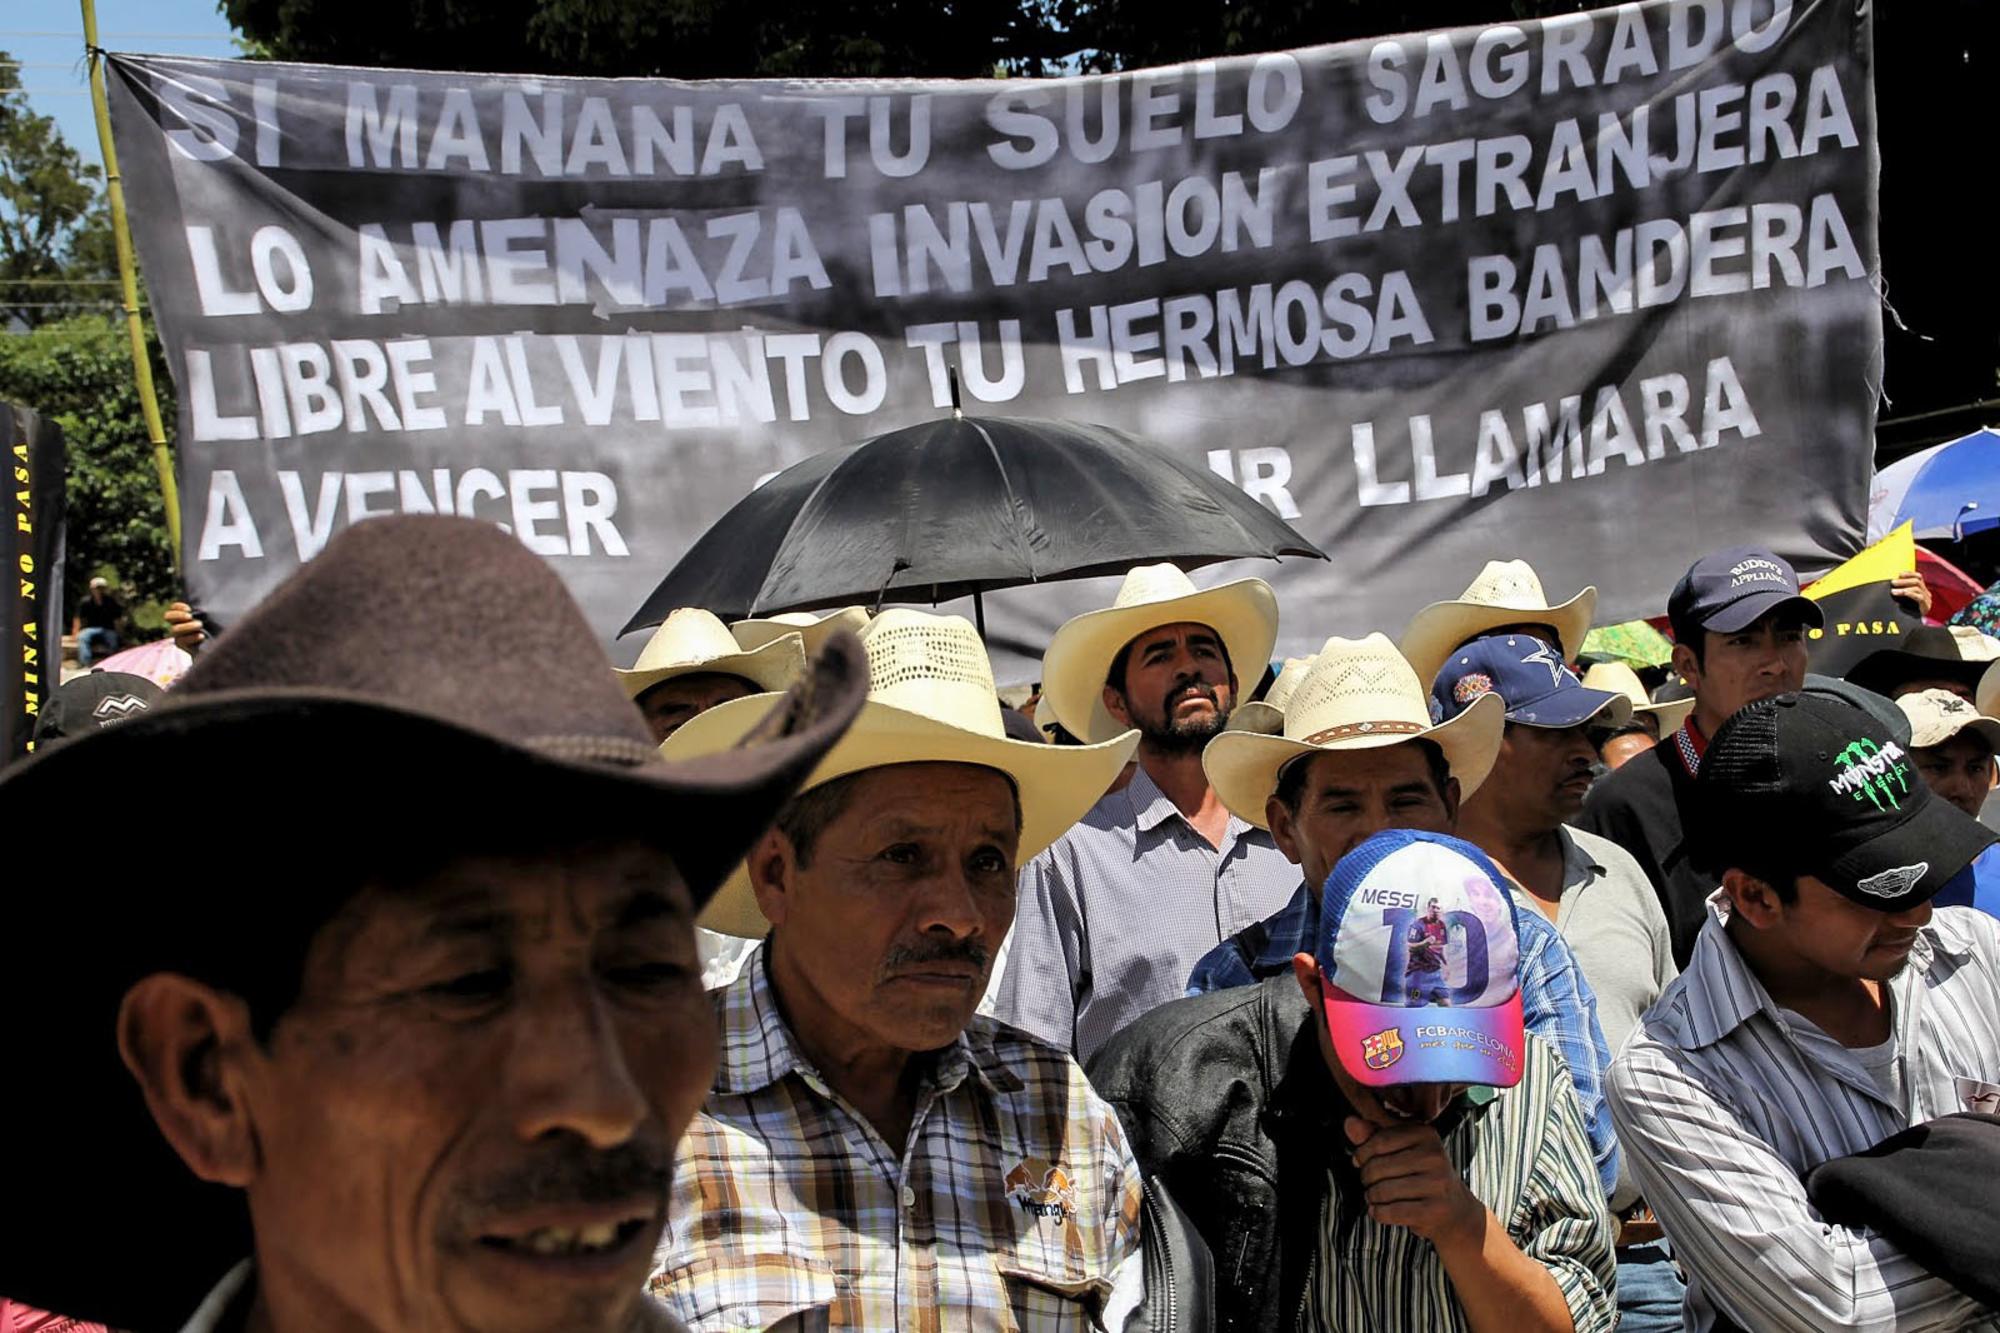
[{"x": 1224, "y": 1097}]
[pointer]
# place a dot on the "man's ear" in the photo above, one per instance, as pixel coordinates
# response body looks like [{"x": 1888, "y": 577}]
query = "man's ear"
[
  {"x": 1752, "y": 899},
  {"x": 1451, "y": 796},
  {"x": 1305, "y": 970},
  {"x": 185, "y": 1043},
  {"x": 774, "y": 871},
  {"x": 1686, "y": 667},
  {"x": 1114, "y": 704},
  {"x": 1284, "y": 831}
]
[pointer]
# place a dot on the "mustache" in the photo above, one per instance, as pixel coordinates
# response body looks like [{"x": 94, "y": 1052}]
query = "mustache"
[
  {"x": 573, "y": 1172},
  {"x": 936, "y": 951}
]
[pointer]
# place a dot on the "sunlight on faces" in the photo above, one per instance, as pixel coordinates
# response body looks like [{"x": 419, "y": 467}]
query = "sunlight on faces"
[
  {"x": 1960, "y": 770},
  {"x": 1540, "y": 778},
  {"x": 1349, "y": 796},
  {"x": 672, "y": 704},
  {"x": 467, "y": 1119},
  {"x": 1821, "y": 928},
  {"x": 885, "y": 933},
  {"x": 1179, "y": 687},
  {"x": 1765, "y": 659},
  {"x": 1395, "y": 1105}
]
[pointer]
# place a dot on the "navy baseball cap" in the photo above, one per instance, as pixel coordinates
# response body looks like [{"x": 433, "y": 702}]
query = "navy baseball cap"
[
  {"x": 1531, "y": 679},
  {"x": 1728, "y": 590}
]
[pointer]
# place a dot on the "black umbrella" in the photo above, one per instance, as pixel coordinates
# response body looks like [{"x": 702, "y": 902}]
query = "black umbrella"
[{"x": 958, "y": 507}]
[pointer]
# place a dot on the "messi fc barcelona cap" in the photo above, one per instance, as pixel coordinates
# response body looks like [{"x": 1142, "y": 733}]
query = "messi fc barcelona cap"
[{"x": 1420, "y": 964}]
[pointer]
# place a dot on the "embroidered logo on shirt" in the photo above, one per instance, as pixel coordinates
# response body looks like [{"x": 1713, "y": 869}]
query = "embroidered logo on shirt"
[
  {"x": 1042, "y": 1191},
  {"x": 1381, "y": 1049},
  {"x": 1871, "y": 772},
  {"x": 1894, "y": 882}
]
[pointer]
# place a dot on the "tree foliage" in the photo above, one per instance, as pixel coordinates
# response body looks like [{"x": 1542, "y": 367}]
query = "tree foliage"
[{"x": 54, "y": 236}]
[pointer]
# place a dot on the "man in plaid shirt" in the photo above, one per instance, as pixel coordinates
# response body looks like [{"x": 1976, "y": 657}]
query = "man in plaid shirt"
[{"x": 872, "y": 1154}]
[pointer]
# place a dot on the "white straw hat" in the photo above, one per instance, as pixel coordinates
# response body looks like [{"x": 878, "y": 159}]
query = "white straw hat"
[
  {"x": 930, "y": 700},
  {"x": 1359, "y": 694},
  {"x": 1618, "y": 678},
  {"x": 1507, "y": 592},
  {"x": 1266, "y": 716},
  {"x": 811, "y": 628},
  {"x": 1938, "y": 715},
  {"x": 1243, "y": 614},
  {"x": 691, "y": 641}
]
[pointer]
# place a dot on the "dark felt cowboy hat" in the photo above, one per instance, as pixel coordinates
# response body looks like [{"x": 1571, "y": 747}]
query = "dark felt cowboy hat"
[{"x": 426, "y": 685}]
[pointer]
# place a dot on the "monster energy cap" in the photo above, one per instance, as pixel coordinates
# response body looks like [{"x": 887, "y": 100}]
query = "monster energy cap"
[{"x": 1808, "y": 784}]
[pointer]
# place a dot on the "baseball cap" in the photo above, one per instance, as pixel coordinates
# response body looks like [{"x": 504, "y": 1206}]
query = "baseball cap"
[
  {"x": 1809, "y": 784},
  {"x": 1938, "y": 715},
  {"x": 1731, "y": 588},
  {"x": 1530, "y": 677},
  {"x": 1394, "y": 1020},
  {"x": 96, "y": 699}
]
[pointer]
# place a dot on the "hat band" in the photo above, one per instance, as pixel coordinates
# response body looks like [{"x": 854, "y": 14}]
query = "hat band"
[
  {"x": 594, "y": 749},
  {"x": 1347, "y": 729}
]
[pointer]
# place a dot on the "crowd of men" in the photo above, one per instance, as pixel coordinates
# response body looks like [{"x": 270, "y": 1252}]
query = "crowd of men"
[{"x": 789, "y": 979}]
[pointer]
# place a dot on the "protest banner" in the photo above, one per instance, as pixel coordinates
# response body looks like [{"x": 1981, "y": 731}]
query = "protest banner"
[
  {"x": 32, "y": 640},
  {"x": 1597, "y": 291},
  {"x": 1862, "y": 615}
]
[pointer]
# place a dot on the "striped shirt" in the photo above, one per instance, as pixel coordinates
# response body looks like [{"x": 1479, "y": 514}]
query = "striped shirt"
[
  {"x": 1522, "y": 1153},
  {"x": 1724, "y": 1101},
  {"x": 1013, "y": 1203},
  {"x": 1115, "y": 914}
]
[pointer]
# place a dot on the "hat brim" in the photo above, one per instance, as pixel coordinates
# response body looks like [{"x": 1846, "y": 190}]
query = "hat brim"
[
  {"x": 1437, "y": 630},
  {"x": 756, "y": 633},
  {"x": 339, "y": 770},
  {"x": 1937, "y": 842},
  {"x": 1988, "y": 729},
  {"x": 1670, "y": 716},
  {"x": 1434, "y": 1043},
  {"x": 1258, "y": 718},
  {"x": 1574, "y": 708},
  {"x": 1056, "y": 784},
  {"x": 1244, "y": 615},
  {"x": 1986, "y": 694},
  {"x": 1892, "y": 668},
  {"x": 770, "y": 667},
  {"x": 1747, "y": 611},
  {"x": 1243, "y": 766}
]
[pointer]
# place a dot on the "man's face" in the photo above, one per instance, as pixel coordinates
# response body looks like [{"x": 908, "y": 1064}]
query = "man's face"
[
  {"x": 468, "y": 1120},
  {"x": 889, "y": 929},
  {"x": 1841, "y": 938},
  {"x": 1949, "y": 686},
  {"x": 1960, "y": 770},
  {"x": 1626, "y": 746},
  {"x": 1540, "y": 778},
  {"x": 1179, "y": 688},
  {"x": 1351, "y": 795},
  {"x": 1431, "y": 912},
  {"x": 669, "y": 705},
  {"x": 1761, "y": 661},
  {"x": 1398, "y": 1104}
]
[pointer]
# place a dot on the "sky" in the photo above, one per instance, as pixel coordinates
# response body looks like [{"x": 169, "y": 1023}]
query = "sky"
[{"x": 46, "y": 36}]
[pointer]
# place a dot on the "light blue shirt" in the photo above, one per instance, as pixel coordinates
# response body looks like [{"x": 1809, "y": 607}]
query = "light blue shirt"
[{"x": 1116, "y": 913}]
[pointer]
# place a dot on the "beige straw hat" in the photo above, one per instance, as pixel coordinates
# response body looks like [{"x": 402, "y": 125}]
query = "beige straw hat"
[
  {"x": 692, "y": 640},
  {"x": 1507, "y": 592},
  {"x": 1358, "y": 695},
  {"x": 1618, "y": 678},
  {"x": 810, "y": 627},
  {"x": 1266, "y": 716},
  {"x": 1244, "y": 614},
  {"x": 1938, "y": 715},
  {"x": 930, "y": 700}
]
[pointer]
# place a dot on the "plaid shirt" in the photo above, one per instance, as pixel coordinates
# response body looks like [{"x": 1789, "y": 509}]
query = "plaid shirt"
[{"x": 1014, "y": 1203}]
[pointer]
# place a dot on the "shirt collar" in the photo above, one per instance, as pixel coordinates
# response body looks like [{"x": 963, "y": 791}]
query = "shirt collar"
[
  {"x": 758, "y": 1049},
  {"x": 226, "y": 1305},
  {"x": 1152, "y": 807},
  {"x": 1579, "y": 866},
  {"x": 1689, "y": 745}
]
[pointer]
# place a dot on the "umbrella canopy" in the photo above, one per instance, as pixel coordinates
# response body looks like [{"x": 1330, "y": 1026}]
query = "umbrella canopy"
[
  {"x": 1634, "y": 643},
  {"x": 961, "y": 506},
  {"x": 1948, "y": 490},
  {"x": 162, "y": 661}
]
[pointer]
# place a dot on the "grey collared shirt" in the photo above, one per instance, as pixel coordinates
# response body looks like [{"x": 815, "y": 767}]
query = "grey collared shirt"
[
  {"x": 1724, "y": 1101},
  {"x": 1114, "y": 916}
]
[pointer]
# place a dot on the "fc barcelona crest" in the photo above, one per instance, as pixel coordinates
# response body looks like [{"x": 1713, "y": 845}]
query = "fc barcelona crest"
[{"x": 1382, "y": 1049}]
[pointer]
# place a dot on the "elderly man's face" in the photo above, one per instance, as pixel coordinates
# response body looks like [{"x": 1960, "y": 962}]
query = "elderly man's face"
[
  {"x": 885, "y": 932},
  {"x": 467, "y": 1120},
  {"x": 671, "y": 704},
  {"x": 1348, "y": 796}
]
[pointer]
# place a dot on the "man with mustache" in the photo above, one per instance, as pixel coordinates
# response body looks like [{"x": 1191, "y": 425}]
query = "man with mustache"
[
  {"x": 1155, "y": 875},
  {"x": 873, "y": 1154},
  {"x": 1592, "y": 889},
  {"x": 1828, "y": 1006},
  {"x": 416, "y": 1051}
]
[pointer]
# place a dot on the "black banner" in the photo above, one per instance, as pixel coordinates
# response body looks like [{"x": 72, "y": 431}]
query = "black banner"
[
  {"x": 1598, "y": 291},
  {"x": 32, "y": 642}
]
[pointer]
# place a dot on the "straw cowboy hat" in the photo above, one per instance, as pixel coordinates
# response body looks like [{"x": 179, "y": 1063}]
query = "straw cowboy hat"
[
  {"x": 813, "y": 629},
  {"x": 426, "y": 684},
  {"x": 693, "y": 641},
  {"x": 1507, "y": 592},
  {"x": 1617, "y": 678},
  {"x": 1266, "y": 716},
  {"x": 1359, "y": 694},
  {"x": 930, "y": 700},
  {"x": 1244, "y": 614}
]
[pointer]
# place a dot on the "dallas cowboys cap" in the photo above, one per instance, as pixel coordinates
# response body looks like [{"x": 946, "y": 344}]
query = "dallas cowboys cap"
[
  {"x": 1419, "y": 961},
  {"x": 1733, "y": 588},
  {"x": 1809, "y": 784},
  {"x": 95, "y": 699},
  {"x": 1530, "y": 677}
]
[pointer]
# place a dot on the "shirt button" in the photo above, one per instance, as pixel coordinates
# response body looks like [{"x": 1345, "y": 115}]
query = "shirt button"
[{"x": 909, "y": 1197}]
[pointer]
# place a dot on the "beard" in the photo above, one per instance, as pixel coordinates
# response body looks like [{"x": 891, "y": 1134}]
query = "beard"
[{"x": 1169, "y": 735}]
